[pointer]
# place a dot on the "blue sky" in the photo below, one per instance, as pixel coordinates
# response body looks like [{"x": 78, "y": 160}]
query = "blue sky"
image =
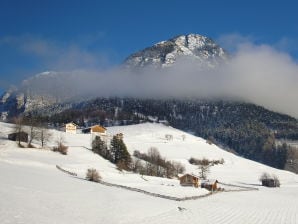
[{"x": 36, "y": 35}]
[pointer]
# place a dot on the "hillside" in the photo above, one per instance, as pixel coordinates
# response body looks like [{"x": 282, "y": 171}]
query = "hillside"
[
  {"x": 248, "y": 129},
  {"x": 29, "y": 176}
]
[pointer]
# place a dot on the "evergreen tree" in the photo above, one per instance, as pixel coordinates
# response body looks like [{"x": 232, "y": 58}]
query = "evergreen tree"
[
  {"x": 100, "y": 147},
  {"x": 119, "y": 153}
]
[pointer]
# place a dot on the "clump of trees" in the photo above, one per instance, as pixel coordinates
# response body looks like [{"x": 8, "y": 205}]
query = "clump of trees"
[
  {"x": 117, "y": 152},
  {"x": 153, "y": 164},
  {"x": 93, "y": 175},
  {"x": 205, "y": 161},
  {"x": 204, "y": 165}
]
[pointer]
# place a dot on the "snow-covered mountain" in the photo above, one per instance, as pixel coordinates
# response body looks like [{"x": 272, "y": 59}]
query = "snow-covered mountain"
[
  {"x": 48, "y": 88},
  {"x": 201, "y": 49}
]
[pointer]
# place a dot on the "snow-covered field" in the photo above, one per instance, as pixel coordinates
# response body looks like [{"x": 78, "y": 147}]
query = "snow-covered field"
[{"x": 32, "y": 190}]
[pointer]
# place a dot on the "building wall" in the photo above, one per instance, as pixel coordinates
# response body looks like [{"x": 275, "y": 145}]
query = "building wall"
[
  {"x": 70, "y": 128},
  {"x": 98, "y": 129}
]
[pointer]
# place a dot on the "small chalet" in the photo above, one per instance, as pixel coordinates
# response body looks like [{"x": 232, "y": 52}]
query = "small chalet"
[
  {"x": 270, "y": 182},
  {"x": 95, "y": 129},
  {"x": 22, "y": 136},
  {"x": 210, "y": 185},
  {"x": 189, "y": 180},
  {"x": 71, "y": 128}
]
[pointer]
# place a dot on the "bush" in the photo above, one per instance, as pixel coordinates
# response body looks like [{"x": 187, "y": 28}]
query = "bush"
[
  {"x": 61, "y": 148},
  {"x": 264, "y": 176},
  {"x": 276, "y": 179},
  {"x": 122, "y": 165},
  {"x": 31, "y": 146},
  {"x": 269, "y": 180},
  {"x": 93, "y": 175}
]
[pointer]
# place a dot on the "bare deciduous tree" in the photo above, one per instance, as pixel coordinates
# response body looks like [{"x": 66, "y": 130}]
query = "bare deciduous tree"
[
  {"x": 18, "y": 127},
  {"x": 44, "y": 135},
  {"x": 203, "y": 171},
  {"x": 32, "y": 130}
]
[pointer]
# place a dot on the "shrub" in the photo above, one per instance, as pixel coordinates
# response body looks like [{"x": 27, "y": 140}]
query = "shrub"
[
  {"x": 264, "y": 176},
  {"x": 61, "y": 148},
  {"x": 93, "y": 175},
  {"x": 31, "y": 146},
  {"x": 276, "y": 180},
  {"x": 122, "y": 165},
  {"x": 269, "y": 180},
  {"x": 20, "y": 145}
]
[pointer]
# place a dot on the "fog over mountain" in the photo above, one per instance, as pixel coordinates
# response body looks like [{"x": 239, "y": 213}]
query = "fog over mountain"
[{"x": 255, "y": 73}]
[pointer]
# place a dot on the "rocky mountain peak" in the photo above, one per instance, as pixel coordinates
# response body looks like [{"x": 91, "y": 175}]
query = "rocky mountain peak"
[{"x": 165, "y": 53}]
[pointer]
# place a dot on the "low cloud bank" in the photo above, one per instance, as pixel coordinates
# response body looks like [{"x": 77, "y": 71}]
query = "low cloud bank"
[{"x": 258, "y": 74}]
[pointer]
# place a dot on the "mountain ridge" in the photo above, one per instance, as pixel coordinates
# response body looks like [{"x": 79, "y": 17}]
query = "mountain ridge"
[{"x": 165, "y": 53}]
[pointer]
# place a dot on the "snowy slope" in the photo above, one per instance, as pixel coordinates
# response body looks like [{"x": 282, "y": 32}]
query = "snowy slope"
[
  {"x": 32, "y": 190},
  {"x": 235, "y": 169}
]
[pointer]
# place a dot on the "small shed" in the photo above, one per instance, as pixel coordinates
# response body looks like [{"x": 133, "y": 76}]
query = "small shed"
[
  {"x": 189, "y": 180},
  {"x": 210, "y": 185},
  {"x": 270, "y": 182},
  {"x": 98, "y": 129},
  {"x": 95, "y": 129},
  {"x": 18, "y": 136},
  {"x": 71, "y": 128}
]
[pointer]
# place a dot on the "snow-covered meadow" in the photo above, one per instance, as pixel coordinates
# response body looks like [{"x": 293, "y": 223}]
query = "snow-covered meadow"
[{"x": 33, "y": 190}]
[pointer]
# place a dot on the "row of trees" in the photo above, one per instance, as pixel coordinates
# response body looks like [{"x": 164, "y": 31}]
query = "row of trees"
[
  {"x": 37, "y": 131},
  {"x": 204, "y": 165},
  {"x": 153, "y": 164}
]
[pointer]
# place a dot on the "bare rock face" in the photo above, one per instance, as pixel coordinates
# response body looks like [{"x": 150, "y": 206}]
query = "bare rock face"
[
  {"x": 201, "y": 49},
  {"x": 30, "y": 95}
]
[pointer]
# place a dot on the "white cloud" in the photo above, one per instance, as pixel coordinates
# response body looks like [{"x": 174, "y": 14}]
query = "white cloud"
[
  {"x": 255, "y": 73},
  {"x": 233, "y": 41}
]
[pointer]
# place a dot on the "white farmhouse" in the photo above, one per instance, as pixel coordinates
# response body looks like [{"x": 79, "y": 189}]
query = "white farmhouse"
[{"x": 71, "y": 128}]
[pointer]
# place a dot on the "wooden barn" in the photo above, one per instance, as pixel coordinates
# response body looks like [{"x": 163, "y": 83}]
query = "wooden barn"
[
  {"x": 22, "y": 136},
  {"x": 189, "y": 180},
  {"x": 95, "y": 129},
  {"x": 71, "y": 128},
  {"x": 210, "y": 185}
]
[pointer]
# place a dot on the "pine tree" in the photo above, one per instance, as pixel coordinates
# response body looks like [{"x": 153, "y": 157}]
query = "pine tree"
[
  {"x": 100, "y": 147},
  {"x": 119, "y": 153}
]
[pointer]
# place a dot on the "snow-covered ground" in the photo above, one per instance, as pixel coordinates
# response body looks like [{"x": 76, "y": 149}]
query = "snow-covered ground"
[{"x": 32, "y": 190}]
